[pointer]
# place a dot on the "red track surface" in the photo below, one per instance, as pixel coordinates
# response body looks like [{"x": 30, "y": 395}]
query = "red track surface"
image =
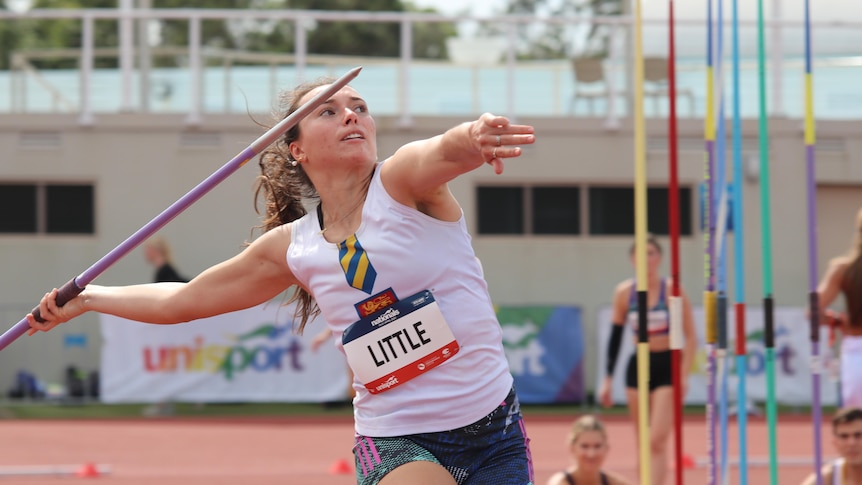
[{"x": 296, "y": 451}]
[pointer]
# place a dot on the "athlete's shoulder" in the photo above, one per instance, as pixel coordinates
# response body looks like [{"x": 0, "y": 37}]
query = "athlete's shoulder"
[
  {"x": 614, "y": 479},
  {"x": 625, "y": 286},
  {"x": 558, "y": 478},
  {"x": 825, "y": 475}
]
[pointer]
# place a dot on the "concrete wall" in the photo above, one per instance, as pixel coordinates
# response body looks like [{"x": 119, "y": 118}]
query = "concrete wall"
[{"x": 140, "y": 164}]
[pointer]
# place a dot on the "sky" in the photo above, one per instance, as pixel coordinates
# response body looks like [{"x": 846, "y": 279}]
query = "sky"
[
  {"x": 452, "y": 7},
  {"x": 823, "y": 10},
  {"x": 826, "y": 41}
]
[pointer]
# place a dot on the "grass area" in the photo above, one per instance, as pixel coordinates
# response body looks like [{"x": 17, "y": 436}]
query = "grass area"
[{"x": 97, "y": 410}]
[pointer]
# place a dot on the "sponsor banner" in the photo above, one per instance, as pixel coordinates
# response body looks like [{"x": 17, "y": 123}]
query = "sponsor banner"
[
  {"x": 245, "y": 356},
  {"x": 792, "y": 351},
  {"x": 545, "y": 349}
]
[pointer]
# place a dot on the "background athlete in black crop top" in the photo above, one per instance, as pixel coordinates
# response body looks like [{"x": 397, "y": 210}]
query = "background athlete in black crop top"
[
  {"x": 660, "y": 385},
  {"x": 588, "y": 446}
]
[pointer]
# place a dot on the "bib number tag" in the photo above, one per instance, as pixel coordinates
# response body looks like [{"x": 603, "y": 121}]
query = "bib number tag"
[{"x": 399, "y": 343}]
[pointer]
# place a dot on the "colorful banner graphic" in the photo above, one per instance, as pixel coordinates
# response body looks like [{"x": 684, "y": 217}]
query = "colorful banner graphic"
[
  {"x": 792, "y": 358},
  {"x": 545, "y": 349},
  {"x": 245, "y": 356}
]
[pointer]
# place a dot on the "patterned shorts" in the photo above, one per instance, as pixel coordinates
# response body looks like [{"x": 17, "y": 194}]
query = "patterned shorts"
[{"x": 494, "y": 449}]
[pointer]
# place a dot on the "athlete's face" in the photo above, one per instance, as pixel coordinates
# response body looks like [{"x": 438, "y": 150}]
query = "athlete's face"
[
  {"x": 653, "y": 261},
  {"x": 847, "y": 439},
  {"x": 340, "y": 128},
  {"x": 590, "y": 450}
]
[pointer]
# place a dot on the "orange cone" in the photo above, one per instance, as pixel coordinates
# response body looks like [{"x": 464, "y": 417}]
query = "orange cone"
[
  {"x": 688, "y": 462},
  {"x": 340, "y": 467},
  {"x": 87, "y": 470}
]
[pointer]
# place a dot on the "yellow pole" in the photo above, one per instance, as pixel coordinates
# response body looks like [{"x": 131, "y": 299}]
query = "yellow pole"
[{"x": 641, "y": 251}]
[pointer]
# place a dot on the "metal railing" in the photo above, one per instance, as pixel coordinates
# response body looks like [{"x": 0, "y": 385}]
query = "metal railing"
[{"x": 510, "y": 86}]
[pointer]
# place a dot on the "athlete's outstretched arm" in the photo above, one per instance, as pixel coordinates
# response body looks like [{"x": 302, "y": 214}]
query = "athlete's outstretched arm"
[
  {"x": 417, "y": 174},
  {"x": 255, "y": 275}
]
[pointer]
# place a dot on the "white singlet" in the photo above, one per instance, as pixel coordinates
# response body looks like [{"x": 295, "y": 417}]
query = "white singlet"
[
  {"x": 851, "y": 371},
  {"x": 410, "y": 252}
]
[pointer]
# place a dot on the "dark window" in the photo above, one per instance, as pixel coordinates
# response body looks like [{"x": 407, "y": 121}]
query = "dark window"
[
  {"x": 18, "y": 208},
  {"x": 612, "y": 210},
  {"x": 33, "y": 208},
  {"x": 556, "y": 210},
  {"x": 501, "y": 210},
  {"x": 70, "y": 209},
  {"x": 659, "y": 215}
]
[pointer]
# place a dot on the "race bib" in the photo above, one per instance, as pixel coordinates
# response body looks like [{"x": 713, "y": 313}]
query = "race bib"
[{"x": 398, "y": 343}]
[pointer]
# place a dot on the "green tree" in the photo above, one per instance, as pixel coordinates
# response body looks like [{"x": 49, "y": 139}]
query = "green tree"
[
  {"x": 31, "y": 34},
  {"x": 544, "y": 40},
  {"x": 264, "y": 35},
  {"x": 429, "y": 38},
  {"x": 329, "y": 38}
]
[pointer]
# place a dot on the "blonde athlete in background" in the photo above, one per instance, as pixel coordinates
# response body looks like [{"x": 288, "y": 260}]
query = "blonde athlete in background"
[
  {"x": 625, "y": 313},
  {"x": 588, "y": 445},
  {"x": 387, "y": 257}
]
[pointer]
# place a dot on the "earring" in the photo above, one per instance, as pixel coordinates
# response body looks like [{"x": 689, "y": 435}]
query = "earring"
[{"x": 293, "y": 163}]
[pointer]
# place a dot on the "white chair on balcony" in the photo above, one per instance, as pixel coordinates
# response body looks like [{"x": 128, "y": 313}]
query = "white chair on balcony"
[
  {"x": 656, "y": 83},
  {"x": 590, "y": 82}
]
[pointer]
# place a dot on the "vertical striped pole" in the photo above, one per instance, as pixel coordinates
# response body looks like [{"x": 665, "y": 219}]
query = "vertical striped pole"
[
  {"x": 766, "y": 236},
  {"x": 709, "y": 291},
  {"x": 814, "y": 307},
  {"x": 720, "y": 203},
  {"x": 675, "y": 306},
  {"x": 641, "y": 250},
  {"x": 739, "y": 260}
]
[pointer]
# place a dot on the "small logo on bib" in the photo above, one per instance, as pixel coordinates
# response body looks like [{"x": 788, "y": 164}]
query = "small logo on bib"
[
  {"x": 376, "y": 303},
  {"x": 388, "y": 316}
]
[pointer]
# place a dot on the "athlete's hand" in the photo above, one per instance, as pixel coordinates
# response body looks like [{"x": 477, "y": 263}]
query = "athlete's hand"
[
  {"x": 52, "y": 314},
  {"x": 319, "y": 339},
  {"x": 605, "y": 393},
  {"x": 497, "y": 138}
]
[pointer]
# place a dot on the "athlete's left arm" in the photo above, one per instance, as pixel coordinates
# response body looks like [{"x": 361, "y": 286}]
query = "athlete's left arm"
[{"x": 418, "y": 173}]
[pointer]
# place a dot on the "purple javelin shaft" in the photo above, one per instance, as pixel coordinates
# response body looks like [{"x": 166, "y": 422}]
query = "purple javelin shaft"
[{"x": 77, "y": 285}]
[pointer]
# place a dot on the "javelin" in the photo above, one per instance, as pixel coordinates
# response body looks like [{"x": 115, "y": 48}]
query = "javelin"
[
  {"x": 739, "y": 259},
  {"x": 76, "y": 285},
  {"x": 641, "y": 252},
  {"x": 814, "y": 299},
  {"x": 709, "y": 300},
  {"x": 766, "y": 243},
  {"x": 676, "y": 332},
  {"x": 719, "y": 257}
]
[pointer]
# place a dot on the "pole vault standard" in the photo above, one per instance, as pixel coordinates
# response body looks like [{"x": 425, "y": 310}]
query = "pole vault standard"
[{"x": 77, "y": 285}]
